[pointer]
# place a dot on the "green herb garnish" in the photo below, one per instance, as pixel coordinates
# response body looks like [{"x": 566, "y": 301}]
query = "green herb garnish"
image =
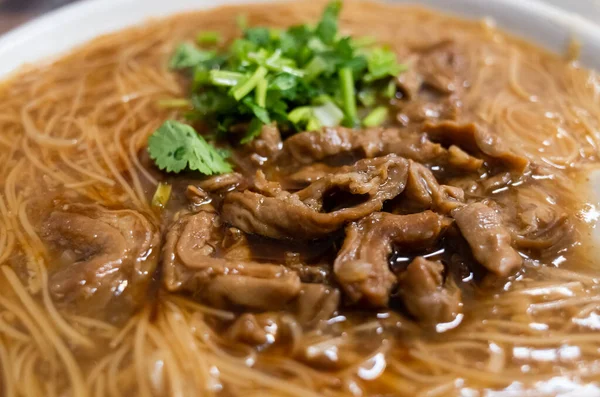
[
  {"x": 268, "y": 74},
  {"x": 301, "y": 78},
  {"x": 161, "y": 196},
  {"x": 176, "y": 146}
]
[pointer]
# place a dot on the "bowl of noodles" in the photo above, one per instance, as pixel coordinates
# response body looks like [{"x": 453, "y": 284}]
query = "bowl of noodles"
[{"x": 333, "y": 198}]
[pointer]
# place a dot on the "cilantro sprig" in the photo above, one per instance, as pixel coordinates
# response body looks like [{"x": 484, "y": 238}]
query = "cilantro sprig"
[
  {"x": 176, "y": 146},
  {"x": 301, "y": 78}
]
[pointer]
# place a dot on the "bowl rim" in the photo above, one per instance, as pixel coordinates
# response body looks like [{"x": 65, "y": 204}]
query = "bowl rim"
[{"x": 53, "y": 34}]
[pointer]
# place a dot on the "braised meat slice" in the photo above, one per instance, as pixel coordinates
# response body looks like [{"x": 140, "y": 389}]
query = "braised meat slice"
[
  {"x": 190, "y": 263},
  {"x": 444, "y": 67},
  {"x": 107, "y": 257},
  {"x": 428, "y": 107},
  {"x": 251, "y": 285},
  {"x": 424, "y": 191},
  {"x": 310, "y": 146},
  {"x": 474, "y": 140},
  {"x": 313, "y": 146},
  {"x": 255, "y": 329},
  {"x": 488, "y": 238},
  {"x": 268, "y": 144},
  {"x": 309, "y": 174},
  {"x": 323, "y": 207},
  {"x": 224, "y": 182},
  {"x": 425, "y": 294},
  {"x": 362, "y": 268},
  {"x": 316, "y": 303},
  {"x": 410, "y": 81}
]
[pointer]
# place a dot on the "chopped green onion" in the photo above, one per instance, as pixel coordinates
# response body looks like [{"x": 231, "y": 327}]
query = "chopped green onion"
[
  {"x": 328, "y": 114},
  {"x": 367, "y": 97},
  {"x": 261, "y": 93},
  {"x": 161, "y": 195},
  {"x": 377, "y": 117},
  {"x": 243, "y": 88},
  {"x": 313, "y": 124},
  {"x": 225, "y": 78},
  {"x": 348, "y": 96},
  {"x": 302, "y": 113},
  {"x": 208, "y": 37},
  {"x": 322, "y": 100},
  {"x": 390, "y": 90},
  {"x": 173, "y": 103},
  {"x": 315, "y": 67}
]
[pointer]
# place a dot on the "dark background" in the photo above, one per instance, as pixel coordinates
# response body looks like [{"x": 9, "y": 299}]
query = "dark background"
[{"x": 15, "y": 12}]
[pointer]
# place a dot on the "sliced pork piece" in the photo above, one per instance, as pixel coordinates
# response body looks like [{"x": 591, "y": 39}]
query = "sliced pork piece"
[
  {"x": 428, "y": 107},
  {"x": 190, "y": 263},
  {"x": 474, "y": 140},
  {"x": 255, "y": 329},
  {"x": 268, "y": 144},
  {"x": 324, "y": 206},
  {"x": 488, "y": 238},
  {"x": 424, "y": 191},
  {"x": 409, "y": 82},
  {"x": 310, "y": 146},
  {"x": 224, "y": 182},
  {"x": 425, "y": 294},
  {"x": 362, "y": 268},
  {"x": 444, "y": 67},
  {"x": 316, "y": 302},
  {"x": 107, "y": 257},
  {"x": 314, "y": 146}
]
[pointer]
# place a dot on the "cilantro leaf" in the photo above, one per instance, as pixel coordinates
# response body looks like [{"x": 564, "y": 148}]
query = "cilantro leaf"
[
  {"x": 187, "y": 56},
  {"x": 382, "y": 63},
  {"x": 328, "y": 26},
  {"x": 175, "y": 146},
  {"x": 258, "y": 36}
]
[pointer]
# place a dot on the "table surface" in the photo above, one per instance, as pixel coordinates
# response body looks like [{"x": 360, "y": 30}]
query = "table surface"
[{"x": 15, "y": 12}]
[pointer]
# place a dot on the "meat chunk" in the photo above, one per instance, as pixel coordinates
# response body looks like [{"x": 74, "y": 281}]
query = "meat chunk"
[
  {"x": 308, "y": 174},
  {"x": 538, "y": 225},
  {"x": 409, "y": 82},
  {"x": 362, "y": 268},
  {"x": 224, "y": 182},
  {"x": 428, "y": 108},
  {"x": 423, "y": 189},
  {"x": 475, "y": 140},
  {"x": 315, "y": 303},
  {"x": 191, "y": 263},
  {"x": 460, "y": 159},
  {"x": 488, "y": 238},
  {"x": 107, "y": 257},
  {"x": 313, "y": 146},
  {"x": 444, "y": 67},
  {"x": 310, "y": 146},
  {"x": 251, "y": 285},
  {"x": 425, "y": 294},
  {"x": 268, "y": 144},
  {"x": 324, "y": 206},
  {"x": 255, "y": 329}
]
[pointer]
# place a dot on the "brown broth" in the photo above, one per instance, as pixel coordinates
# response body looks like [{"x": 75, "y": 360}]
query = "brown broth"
[{"x": 521, "y": 333}]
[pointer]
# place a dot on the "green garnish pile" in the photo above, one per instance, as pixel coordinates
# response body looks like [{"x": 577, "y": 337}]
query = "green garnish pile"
[{"x": 302, "y": 78}]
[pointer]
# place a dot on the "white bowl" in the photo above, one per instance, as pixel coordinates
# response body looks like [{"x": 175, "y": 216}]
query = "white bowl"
[{"x": 58, "y": 31}]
